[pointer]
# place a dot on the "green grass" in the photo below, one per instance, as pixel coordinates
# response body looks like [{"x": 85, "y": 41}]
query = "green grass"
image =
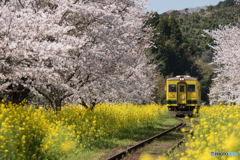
[
  {"x": 124, "y": 140},
  {"x": 115, "y": 145}
]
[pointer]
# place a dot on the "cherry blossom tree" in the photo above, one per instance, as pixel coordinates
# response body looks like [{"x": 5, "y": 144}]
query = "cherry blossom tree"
[
  {"x": 85, "y": 51},
  {"x": 226, "y": 58}
]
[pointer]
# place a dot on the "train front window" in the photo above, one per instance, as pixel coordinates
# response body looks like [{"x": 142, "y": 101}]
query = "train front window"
[
  {"x": 172, "y": 88},
  {"x": 191, "y": 88},
  {"x": 181, "y": 88}
]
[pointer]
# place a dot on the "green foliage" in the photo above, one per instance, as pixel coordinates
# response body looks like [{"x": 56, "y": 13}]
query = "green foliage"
[
  {"x": 180, "y": 46},
  {"x": 173, "y": 52},
  {"x": 205, "y": 75},
  {"x": 160, "y": 92},
  {"x": 192, "y": 23}
]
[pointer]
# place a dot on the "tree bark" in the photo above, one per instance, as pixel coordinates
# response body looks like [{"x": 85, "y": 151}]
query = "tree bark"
[
  {"x": 18, "y": 95},
  {"x": 57, "y": 104}
]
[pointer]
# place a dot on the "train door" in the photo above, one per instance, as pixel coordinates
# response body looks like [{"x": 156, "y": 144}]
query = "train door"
[{"x": 182, "y": 93}]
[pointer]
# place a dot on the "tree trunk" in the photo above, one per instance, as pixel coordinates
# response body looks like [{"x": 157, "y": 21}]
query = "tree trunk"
[
  {"x": 18, "y": 95},
  {"x": 57, "y": 105},
  {"x": 92, "y": 105}
]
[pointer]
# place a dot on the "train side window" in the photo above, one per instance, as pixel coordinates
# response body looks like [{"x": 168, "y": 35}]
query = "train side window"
[
  {"x": 191, "y": 88},
  {"x": 172, "y": 88}
]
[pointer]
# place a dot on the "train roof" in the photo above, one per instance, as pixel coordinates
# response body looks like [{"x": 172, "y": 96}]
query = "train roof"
[{"x": 186, "y": 77}]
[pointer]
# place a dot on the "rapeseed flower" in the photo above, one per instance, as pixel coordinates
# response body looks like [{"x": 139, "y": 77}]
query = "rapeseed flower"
[
  {"x": 231, "y": 143},
  {"x": 218, "y": 131},
  {"x": 41, "y": 134},
  {"x": 162, "y": 158},
  {"x": 67, "y": 146},
  {"x": 146, "y": 156}
]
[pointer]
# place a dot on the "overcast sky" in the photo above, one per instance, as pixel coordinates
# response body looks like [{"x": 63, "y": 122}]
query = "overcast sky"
[{"x": 161, "y": 6}]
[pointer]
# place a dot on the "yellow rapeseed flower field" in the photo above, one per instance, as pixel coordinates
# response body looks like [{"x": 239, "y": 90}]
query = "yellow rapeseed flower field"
[
  {"x": 29, "y": 133},
  {"x": 218, "y": 132}
]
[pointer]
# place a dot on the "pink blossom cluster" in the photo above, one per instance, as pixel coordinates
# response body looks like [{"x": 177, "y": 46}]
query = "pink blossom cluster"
[
  {"x": 226, "y": 58},
  {"x": 85, "y": 51}
]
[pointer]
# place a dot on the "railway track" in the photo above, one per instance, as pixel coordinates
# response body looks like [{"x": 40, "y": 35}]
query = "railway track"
[
  {"x": 147, "y": 141},
  {"x": 180, "y": 142}
]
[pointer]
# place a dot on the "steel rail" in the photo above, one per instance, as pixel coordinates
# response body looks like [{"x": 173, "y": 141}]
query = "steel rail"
[
  {"x": 183, "y": 124},
  {"x": 180, "y": 142},
  {"x": 175, "y": 146},
  {"x": 141, "y": 144}
]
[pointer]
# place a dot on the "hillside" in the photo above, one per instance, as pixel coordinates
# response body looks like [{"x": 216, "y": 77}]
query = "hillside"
[
  {"x": 180, "y": 47},
  {"x": 192, "y": 21}
]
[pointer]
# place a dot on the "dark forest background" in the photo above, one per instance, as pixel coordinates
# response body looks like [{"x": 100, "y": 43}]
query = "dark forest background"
[{"x": 180, "y": 48}]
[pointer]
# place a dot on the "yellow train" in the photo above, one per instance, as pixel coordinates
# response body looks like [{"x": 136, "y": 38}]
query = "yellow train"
[{"x": 183, "y": 94}]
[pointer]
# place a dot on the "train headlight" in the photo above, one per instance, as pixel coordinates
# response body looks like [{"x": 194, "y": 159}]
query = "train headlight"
[{"x": 181, "y": 79}]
